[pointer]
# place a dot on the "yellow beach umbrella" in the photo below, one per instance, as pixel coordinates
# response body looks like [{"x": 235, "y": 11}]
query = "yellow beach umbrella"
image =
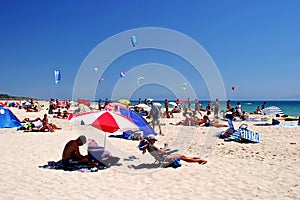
[{"x": 124, "y": 101}]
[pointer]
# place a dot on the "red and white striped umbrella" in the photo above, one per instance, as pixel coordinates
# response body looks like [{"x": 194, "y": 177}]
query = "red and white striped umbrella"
[
  {"x": 109, "y": 122},
  {"x": 105, "y": 120}
]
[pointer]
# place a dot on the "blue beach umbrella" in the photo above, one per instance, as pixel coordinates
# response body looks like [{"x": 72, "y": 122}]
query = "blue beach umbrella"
[{"x": 139, "y": 121}]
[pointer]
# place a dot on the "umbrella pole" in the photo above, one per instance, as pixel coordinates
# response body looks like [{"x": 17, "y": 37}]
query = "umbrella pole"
[{"x": 104, "y": 140}]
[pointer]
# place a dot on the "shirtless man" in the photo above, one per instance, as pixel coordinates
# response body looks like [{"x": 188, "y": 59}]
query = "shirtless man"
[{"x": 71, "y": 153}]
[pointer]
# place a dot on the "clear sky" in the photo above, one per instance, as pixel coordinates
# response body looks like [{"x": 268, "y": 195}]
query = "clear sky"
[{"x": 255, "y": 45}]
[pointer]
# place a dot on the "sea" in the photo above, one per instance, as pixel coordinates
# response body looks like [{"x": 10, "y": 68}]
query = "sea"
[{"x": 290, "y": 108}]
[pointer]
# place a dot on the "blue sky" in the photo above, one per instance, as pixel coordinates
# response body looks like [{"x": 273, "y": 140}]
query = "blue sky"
[{"x": 254, "y": 44}]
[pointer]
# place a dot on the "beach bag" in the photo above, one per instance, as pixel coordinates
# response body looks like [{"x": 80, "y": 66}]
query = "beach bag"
[
  {"x": 275, "y": 122},
  {"x": 176, "y": 163},
  {"x": 142, "y": 145}
]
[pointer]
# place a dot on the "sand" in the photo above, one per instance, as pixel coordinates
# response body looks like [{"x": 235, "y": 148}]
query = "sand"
[{"x": 268, "y": 170}]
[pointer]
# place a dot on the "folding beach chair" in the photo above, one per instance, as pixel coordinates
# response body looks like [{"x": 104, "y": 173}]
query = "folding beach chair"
[
  {"x": 160, "y": 160},
  {"x": 242, "y": 134}
]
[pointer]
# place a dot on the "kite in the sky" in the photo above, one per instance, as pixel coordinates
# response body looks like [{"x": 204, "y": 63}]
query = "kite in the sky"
[
  {"x": 96, "y": 69},
  {"x": 57, "y": 76},
  {"x": 133, "y": 40},
  {"x": 100, "y": 79},
  {"x": 138, "y": 80},
  {"x": 184, "y": 86},
  {"x": 233, "y": 88},
  {"x": 122, "y": 74}
]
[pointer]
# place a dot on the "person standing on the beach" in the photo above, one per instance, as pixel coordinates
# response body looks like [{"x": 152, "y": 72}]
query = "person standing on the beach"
[
  {"x": 239, "y": 109},
  {"x": 263, "y": 105},
  {"x": 208, "y": 106},
  {"x": 216, "y": 108},
  {"x": 189, "y": 104},
  {"x": 99, "y": 104},
  {"x": 140, "y": 101},
  {"x": 167, "y": 108},
  {"x": 106, "y": 102},
  {"x": 197, "y": 105},
  {"x": 155, "y": 113},
  {"x": 228, "y": 107}
]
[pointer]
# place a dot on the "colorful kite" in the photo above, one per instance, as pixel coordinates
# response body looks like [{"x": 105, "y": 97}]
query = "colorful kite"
[
  {"x": 122, "y": 74},
  {"x": 138, "y": 80},
  {"x": 233, "y": 88},
  {"x": 57, "y": 76},
  {"x": 183, "y": 86},
  {"x": 133, "y": 40}
]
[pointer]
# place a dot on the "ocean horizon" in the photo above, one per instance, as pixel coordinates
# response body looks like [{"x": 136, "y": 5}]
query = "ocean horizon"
[{"x": 289, "y": 107}]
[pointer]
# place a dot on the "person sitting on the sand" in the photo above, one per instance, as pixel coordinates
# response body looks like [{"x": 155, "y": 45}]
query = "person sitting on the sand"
[
  {"x": 176, "y": 109},
  {"x": 71, "y": 154},
  {"x": 205, "y": 121},
  {"x": 157, "y": 152},
  {"x": 58, "y": 114}
]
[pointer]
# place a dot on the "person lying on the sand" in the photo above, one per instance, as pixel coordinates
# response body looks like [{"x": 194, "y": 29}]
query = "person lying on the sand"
[
  {"x": 44, "y": 127},
  {"x": 188, "y": 121},
  {"x": 71, "y": 154},
  {"x": 155, "y": 151}
]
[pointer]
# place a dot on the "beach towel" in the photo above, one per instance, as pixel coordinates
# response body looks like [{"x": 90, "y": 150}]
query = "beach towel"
[
  {"x": 78, "y": 167},
  {"x": 290, "y": 125}
]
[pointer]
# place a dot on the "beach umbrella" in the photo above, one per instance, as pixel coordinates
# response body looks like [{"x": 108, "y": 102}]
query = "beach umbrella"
[
  {"x": 149, "y": 99},
  {"x": 139, "y": 121},
  {"x": 107, "y": 121},
  {"x": 182, "y": 101},
  {"x": 84, "y": 102},
  {"x": 84, "y": 118},
  {"x": 114, "y": 107},
  {"x": 272, "y": 110},
  {"x": 173, "y": 104},
  {"x": 124, "y": 101},
  {"x": 110, "y": 122},
  {"x": 142, "y": 105},
  {"x": 157, "y": 104}
]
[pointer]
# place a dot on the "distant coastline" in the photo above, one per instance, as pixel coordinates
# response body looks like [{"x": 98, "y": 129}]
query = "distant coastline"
[{"x": 9, "y": 97}]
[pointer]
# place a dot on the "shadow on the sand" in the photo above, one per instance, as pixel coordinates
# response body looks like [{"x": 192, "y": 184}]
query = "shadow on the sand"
[{"x": 112, "y": 161}]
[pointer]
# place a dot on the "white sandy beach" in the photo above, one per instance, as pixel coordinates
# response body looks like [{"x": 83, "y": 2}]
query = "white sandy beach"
[{"x": 268, "y": 170}]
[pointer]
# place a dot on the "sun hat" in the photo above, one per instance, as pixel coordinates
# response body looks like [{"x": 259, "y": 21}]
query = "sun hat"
[{"x": 152, "y": 137}]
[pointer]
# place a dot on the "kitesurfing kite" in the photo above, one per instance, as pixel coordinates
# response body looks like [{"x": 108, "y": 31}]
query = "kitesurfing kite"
[
  {"x": 57, "y": 76},
  {"x": 233, "y": 88},
  {"x": 122, "y": 74},
  {"x": 184, "y": 86},
  {"x": 100, "y": 79},
  {"x": 138, "y": 80},
  {"x": 96, "y": 69},
  {"x": 133, "y": 40}
]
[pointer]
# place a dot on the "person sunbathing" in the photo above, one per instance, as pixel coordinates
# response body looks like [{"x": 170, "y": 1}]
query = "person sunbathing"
[
  {"x": 160, "y": 153},
  {"x": 46, "y": 126},
  {"x": 71, "y": 154},
  {"x": 188, "y": 121},
  {"x": 205, "y": 121}
]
